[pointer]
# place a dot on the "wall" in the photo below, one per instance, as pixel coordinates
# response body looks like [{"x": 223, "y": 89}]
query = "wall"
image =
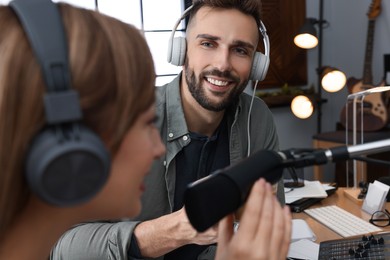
[{"x": 344, "y": 42}]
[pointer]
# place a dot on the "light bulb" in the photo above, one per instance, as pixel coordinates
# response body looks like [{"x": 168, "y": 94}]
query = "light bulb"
[
  {"x": 306, "y": 41},
  {"x": 302, "y": 107},
  {"x": 333, "y": 81}
]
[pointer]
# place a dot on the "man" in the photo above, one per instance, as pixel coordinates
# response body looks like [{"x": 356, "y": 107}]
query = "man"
[{"x": 203, "y": 118}]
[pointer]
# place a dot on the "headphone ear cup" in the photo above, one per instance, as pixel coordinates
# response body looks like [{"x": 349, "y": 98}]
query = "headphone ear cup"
[
  {"x": 259, "y": 66},
  {"x": 67, "y": 171},
  {"x": 178, "y": 51}
]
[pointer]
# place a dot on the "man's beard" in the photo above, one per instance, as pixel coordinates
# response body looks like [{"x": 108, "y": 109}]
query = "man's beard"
[{"x": 198, "y": 93}]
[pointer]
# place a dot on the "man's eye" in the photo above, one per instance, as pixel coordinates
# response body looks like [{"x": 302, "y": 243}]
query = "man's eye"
[
  {"x": 207, "y": 44},
  {"x": 241, "y": 51}
]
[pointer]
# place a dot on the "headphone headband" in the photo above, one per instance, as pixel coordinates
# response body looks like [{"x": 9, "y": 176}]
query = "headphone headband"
[
  {"x": 49, "y": 45},
  {"x": 66, "y": 163},
  {"x": 170, "y": 43},
  {"x": 263, "y": 32}
]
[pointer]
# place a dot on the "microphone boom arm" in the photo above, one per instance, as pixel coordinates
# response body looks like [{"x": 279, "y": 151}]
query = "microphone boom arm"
[{"x": 339, "y": 153}]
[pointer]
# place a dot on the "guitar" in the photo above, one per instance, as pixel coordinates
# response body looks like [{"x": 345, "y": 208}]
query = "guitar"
[{"x": 375, "y": 114}]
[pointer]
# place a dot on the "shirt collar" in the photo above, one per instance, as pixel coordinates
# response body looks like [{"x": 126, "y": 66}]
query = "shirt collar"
[{"x": 176, "y": 123}]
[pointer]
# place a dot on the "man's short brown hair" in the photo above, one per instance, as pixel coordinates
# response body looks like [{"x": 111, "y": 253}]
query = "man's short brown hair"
[{"x": 248, "y": 7}]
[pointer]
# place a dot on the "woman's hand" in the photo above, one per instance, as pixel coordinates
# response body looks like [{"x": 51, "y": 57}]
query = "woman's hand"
[{"x": 264, "y": 231}]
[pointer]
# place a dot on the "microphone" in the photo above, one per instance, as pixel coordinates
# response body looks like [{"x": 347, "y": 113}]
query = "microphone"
[{"x": 211, "y": 198}]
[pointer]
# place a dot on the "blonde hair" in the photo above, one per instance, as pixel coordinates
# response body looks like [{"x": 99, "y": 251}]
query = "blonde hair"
[{"x": 111, "y": 68}]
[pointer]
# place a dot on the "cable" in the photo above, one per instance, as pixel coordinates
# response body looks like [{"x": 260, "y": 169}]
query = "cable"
[{"x": 249, "y": 118}]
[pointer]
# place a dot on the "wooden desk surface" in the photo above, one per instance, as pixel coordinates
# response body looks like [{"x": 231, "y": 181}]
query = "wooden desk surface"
[{"x": 340, "y": 199}]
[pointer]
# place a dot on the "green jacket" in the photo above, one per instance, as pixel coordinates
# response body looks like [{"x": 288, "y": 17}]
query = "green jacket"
[{"x": 110, "y": 240}]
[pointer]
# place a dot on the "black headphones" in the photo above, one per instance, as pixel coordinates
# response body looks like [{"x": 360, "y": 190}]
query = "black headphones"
[
  {"x": 67, "y": 163},
  {"x": 177, "y": 48}
]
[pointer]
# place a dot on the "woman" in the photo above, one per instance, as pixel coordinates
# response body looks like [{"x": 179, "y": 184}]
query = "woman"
[
  {"x": 117, "y": 100},
  {"x": 112, "y": 70}
]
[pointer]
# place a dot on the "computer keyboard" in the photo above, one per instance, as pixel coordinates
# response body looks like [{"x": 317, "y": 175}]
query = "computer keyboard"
[{"x": 341, "y": 221}]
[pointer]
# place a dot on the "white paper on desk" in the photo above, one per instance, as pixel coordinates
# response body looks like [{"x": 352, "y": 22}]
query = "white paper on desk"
[
  {"x": 328, "y": 187},
  {"x": 312, "y": 189},
  {"x": 376, "y": 197},
  {"x": 304, "y": 249},
  {"x": 301, "y": 230}
]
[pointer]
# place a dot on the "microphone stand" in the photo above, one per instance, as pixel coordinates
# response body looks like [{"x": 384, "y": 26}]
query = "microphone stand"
[{"x": 294, "y": 157}]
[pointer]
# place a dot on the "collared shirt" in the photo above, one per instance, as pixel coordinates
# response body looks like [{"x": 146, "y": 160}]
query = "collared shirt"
[{"x": 201, "y": 157}]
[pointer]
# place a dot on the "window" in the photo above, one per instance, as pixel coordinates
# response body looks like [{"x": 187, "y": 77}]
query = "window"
[
  {"x": 155, "y": 18},
  {"x": 158, "y": 31}
]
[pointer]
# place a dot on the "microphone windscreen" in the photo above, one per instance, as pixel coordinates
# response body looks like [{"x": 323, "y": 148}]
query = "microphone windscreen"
[
  {"x": 207, "y": 200},
  {"x": 210, "y": 199}
]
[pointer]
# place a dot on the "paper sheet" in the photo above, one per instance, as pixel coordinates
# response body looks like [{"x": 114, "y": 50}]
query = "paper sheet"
[
  {"x": 301, "y": 230},
  {"x": 304, "y": 249},
  {"x": 376, "y": 197},
  {"x": 312, "y": 189}
]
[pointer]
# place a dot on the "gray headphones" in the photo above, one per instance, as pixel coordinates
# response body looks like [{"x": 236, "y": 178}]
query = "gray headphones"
[
  {"x": 66, "y": 163},
  {"x": 177, "y": 51}
]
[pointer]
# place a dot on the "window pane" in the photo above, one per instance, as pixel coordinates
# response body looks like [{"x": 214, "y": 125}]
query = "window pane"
[
  {"x": 162, "y": 80},
  {"x": 157, "y": 15},
  {"x": 127, "y": 11},
  {"x": 158, "y": 44},
  {"x": 167, "y": 13}
]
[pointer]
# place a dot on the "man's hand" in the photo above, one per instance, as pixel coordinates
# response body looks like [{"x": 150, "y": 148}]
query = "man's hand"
[
  {"x": 159, "y": 236},
  {"x": 190, "y": 234}
]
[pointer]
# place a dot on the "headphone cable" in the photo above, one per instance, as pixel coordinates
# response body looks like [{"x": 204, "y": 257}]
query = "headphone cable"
[{"x": 249, "y": 118}]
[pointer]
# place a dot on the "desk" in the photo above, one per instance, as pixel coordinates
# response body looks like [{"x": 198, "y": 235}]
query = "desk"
[{"x": 341, "y": 200}]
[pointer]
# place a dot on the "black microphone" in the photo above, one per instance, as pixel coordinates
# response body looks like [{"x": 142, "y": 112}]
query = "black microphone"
[{"x": 211, "y": 198}]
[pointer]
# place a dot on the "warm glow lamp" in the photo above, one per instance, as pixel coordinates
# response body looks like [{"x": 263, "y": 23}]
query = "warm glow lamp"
[
  {"x": 328, "y": 78},
  {"x": 307, "y": 35},
  {"x": 302, "y": 107},
  {"x": 305, "y": 41},
  {"x": 333, "y": 79}
]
